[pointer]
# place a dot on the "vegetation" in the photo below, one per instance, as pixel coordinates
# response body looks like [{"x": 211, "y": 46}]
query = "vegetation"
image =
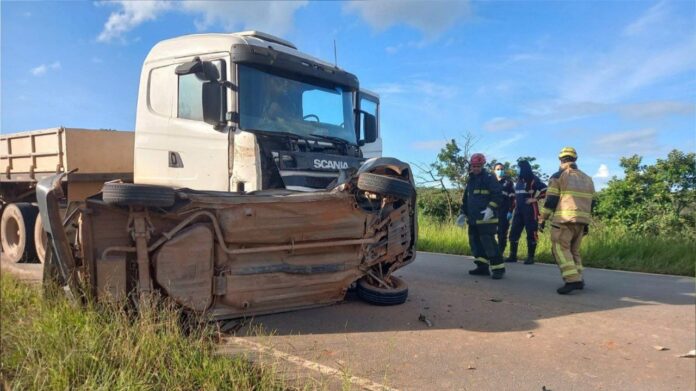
[
  {"x": 645, "y": 221},
  {"x": 50, "y": 344}
]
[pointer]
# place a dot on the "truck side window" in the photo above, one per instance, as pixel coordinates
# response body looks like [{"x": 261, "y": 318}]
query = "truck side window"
[
  {"x": 160, "y": 91},
  {"x": 190, "y": 103}
]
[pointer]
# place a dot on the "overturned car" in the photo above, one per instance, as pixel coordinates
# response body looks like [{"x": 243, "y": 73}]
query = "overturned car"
[{"x": 231, "y": 254}]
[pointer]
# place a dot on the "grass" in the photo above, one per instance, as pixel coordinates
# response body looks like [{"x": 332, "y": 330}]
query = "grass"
[
  {"x": 605, "y": 247},
  {"x": 51, "y": 344}
]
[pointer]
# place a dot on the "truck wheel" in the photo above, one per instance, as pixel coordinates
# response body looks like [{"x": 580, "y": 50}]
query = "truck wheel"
[
  {"x": 386, "y": 185},
  {"x": 17, "y": 225},
  {"x": 129, "y": 194},
  {"x": 40, "y": 239},
  {"x": 383, "y": 296}
]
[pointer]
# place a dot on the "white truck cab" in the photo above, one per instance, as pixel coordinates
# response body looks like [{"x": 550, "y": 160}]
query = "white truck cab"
[{"x": 248, "y": 111}]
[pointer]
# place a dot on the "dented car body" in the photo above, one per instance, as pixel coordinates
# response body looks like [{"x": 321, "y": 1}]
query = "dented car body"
[{"x": 233, "y": 255}]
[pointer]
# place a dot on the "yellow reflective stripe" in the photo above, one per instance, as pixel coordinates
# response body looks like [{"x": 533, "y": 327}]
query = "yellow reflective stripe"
[
  {"x": 493, "y": 204},
  {"x": 570, "y": 273},
  {"x": 491, "y": 221},
  {"x": 496, "y": 267},
  {"x": 481, "y": 191},
  {"x": 552, "y": 190},
  {"x": 482, "y": 260},
  {"x": 547, "y": 210},
  {"x": 572, "y": 213},
  {"x": 575, "y": 193}
]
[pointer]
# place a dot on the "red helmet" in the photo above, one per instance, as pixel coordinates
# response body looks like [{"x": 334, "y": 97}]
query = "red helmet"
[{"x": 477, "y": 159}]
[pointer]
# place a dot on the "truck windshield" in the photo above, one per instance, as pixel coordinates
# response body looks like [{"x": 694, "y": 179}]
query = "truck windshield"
[{"x": 273, "y": 103}]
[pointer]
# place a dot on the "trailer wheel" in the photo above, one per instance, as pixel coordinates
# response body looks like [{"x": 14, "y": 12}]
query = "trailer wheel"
[
  {"x": 17, "y": 226},
  {"x": 386, "y": 185},
  {"x": 129, "y": 194},
  {"x": 40, "y": 239},
  {"x": 383, "y": 296}
]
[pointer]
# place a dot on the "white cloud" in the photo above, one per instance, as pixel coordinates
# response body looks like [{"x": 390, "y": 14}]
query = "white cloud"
[
  {"x": 131, "y": 15},
  {"x": 428, "y": 145},
  {"x": 653, "y": 16},
  {"x": 430, "y": 17},
  {"x": 97, "y": 60},
  {"x": 271, "y": 17},
  {"x": 602, "y": 171},
  {"x": 501, "y": 123},
  {"x": 43, "y": 68}
]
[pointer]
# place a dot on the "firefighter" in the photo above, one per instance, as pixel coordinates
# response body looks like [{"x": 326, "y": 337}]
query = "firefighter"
[
  {"x": 506, "y": 207},
  {"x": 569, "y": 205},
  {"x": 529, "y": 190},
  {"x": 481, "y": 199}
]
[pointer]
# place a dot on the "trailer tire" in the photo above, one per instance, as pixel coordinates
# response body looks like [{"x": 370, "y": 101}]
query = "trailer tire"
[
  {"x": 40, "y": 239},
  {"x": 17, "y": 226},
  {"x": 383, "y": 296},
  {"x": 129, "y": 194},
  {"x": 385, "y": 185}
]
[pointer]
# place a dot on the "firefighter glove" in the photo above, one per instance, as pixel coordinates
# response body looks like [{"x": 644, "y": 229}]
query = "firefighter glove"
[
  {"x": 461, "y": 220},
  {"x": 487, "y": 214},
  {"x": 542, "y": 226},
  {"x": 509, "y": 216},
  {"x": 586, "y": 229}
]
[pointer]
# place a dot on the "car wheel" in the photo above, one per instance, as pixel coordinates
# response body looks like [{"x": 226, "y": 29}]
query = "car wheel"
[
  {"x": 17, "y": 227},
  {"x": 129, "y": 194},
  {"x": 385, "y": 185},
  {"x": 379, "y": 295}
]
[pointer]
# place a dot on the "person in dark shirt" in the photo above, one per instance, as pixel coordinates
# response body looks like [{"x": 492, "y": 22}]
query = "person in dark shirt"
[
  {"x": 529, "y": 191},
  {"x": 506, "y": 207},
  {"x": 480, "y": 201}
]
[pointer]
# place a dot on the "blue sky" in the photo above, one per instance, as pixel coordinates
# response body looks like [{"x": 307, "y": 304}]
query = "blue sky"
[{"x": 526, "y": 78}]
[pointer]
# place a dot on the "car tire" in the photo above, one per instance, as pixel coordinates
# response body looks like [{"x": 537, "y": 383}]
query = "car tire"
[
  {"x": 383, "y": 296},
  {"x": 385, "y": 185},
  {"x": 17, "y": 227},
  {"x": 129, "y": 194},
  {"x": 40, "y": 239}
]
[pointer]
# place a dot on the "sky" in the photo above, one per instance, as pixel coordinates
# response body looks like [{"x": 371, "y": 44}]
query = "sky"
[{"x": 611, "y": 79}]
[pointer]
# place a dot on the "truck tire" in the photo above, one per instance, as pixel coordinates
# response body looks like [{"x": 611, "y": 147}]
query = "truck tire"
[
  {"x": 383, "y": 296},
  {"x": 40, "y": 240},
  {"x": 129, "y": 194},
  {"x": 17, "y": 226},
  {"x": 385, "y": 185}
]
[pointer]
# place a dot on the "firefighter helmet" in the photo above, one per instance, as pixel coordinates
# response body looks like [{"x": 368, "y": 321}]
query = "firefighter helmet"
[
  {"x": 477, "y": 159},
  {"x": 568, "y": 152}
]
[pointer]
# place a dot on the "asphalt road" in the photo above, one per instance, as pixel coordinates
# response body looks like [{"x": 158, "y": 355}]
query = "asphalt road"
[{"x": 512, "y": 334}]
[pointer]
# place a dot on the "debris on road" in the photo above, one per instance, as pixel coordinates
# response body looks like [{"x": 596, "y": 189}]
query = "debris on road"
[
  {"x": 471, "y": 367},
  {"x": 660, "y": 348},
  {"x": 496, "y": 300},
  {"x": 530, "y": 334},
  {"x": 691, "y": 354},
  {"x": 425, "y": 320}
]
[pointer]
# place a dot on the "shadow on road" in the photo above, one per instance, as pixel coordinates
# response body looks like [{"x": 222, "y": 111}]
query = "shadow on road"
[{"x": 441, "y": 290}]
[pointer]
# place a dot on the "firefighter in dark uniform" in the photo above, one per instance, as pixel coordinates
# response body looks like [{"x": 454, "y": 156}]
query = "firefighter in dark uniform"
[
  {"x": 506, "y": 207},
  {"x": 481, "y": 199},
  {"x": 529, "y": 191}
]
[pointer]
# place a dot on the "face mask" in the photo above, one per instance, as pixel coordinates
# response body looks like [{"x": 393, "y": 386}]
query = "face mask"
[{"x": 499, "y": 173}]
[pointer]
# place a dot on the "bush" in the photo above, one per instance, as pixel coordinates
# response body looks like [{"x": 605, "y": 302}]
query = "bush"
[{"x": 433, "y": 203}]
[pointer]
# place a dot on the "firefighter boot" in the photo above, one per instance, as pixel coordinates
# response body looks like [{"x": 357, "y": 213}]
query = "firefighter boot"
[
  {"x": 498, "y": 274},
  {"x": 513, "y": 252},
  {"x": 531, "y": 249},
  {"x": 481, "y": 270},
  {"x": 569, "y": 287}
]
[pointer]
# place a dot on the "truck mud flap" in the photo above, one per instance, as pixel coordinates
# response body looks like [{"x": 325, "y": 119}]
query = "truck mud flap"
[{"x": 58, "y": 251}]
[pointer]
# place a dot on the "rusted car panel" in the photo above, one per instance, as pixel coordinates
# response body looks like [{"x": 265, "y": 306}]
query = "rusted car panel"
[{"x": 231, "y": 255}]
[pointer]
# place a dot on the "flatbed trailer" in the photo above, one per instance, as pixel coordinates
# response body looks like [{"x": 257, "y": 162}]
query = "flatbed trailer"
[{"x": 91, "y": 157}]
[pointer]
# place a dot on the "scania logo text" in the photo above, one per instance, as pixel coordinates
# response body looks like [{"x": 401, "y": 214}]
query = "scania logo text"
[{"x": 330, "y": 164}]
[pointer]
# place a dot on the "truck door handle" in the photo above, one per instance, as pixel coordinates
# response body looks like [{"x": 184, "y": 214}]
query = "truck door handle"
[{"x": 175, "y": 160}]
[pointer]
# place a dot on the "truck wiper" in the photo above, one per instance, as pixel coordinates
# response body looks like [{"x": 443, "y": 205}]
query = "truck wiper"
[
  {"x": 282, "y": 133},
  {"x": 331, "y": 138}
]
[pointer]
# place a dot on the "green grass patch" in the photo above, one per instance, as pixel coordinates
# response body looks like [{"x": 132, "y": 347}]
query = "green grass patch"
[
  {"x": 51, "y": 344},
  {"x": 606, "y": 247}
]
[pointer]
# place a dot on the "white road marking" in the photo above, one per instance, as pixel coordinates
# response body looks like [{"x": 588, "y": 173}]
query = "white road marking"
[{"x": 365, "y": 384}]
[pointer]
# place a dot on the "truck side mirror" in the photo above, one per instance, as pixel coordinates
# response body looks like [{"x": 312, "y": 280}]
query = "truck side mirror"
[
  {"x": 213, "y": 103},
  {"x": 369, "y": 128}
]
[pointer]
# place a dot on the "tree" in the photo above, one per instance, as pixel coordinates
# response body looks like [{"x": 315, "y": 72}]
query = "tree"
[
  {"x": 453, "y": 161},
  {"x": 653, "y": 199}
]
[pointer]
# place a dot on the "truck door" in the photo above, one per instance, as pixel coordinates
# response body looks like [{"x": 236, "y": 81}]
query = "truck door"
[
  {"x": 369, "y": 102},
  {"x": 174, "y": 146}
]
